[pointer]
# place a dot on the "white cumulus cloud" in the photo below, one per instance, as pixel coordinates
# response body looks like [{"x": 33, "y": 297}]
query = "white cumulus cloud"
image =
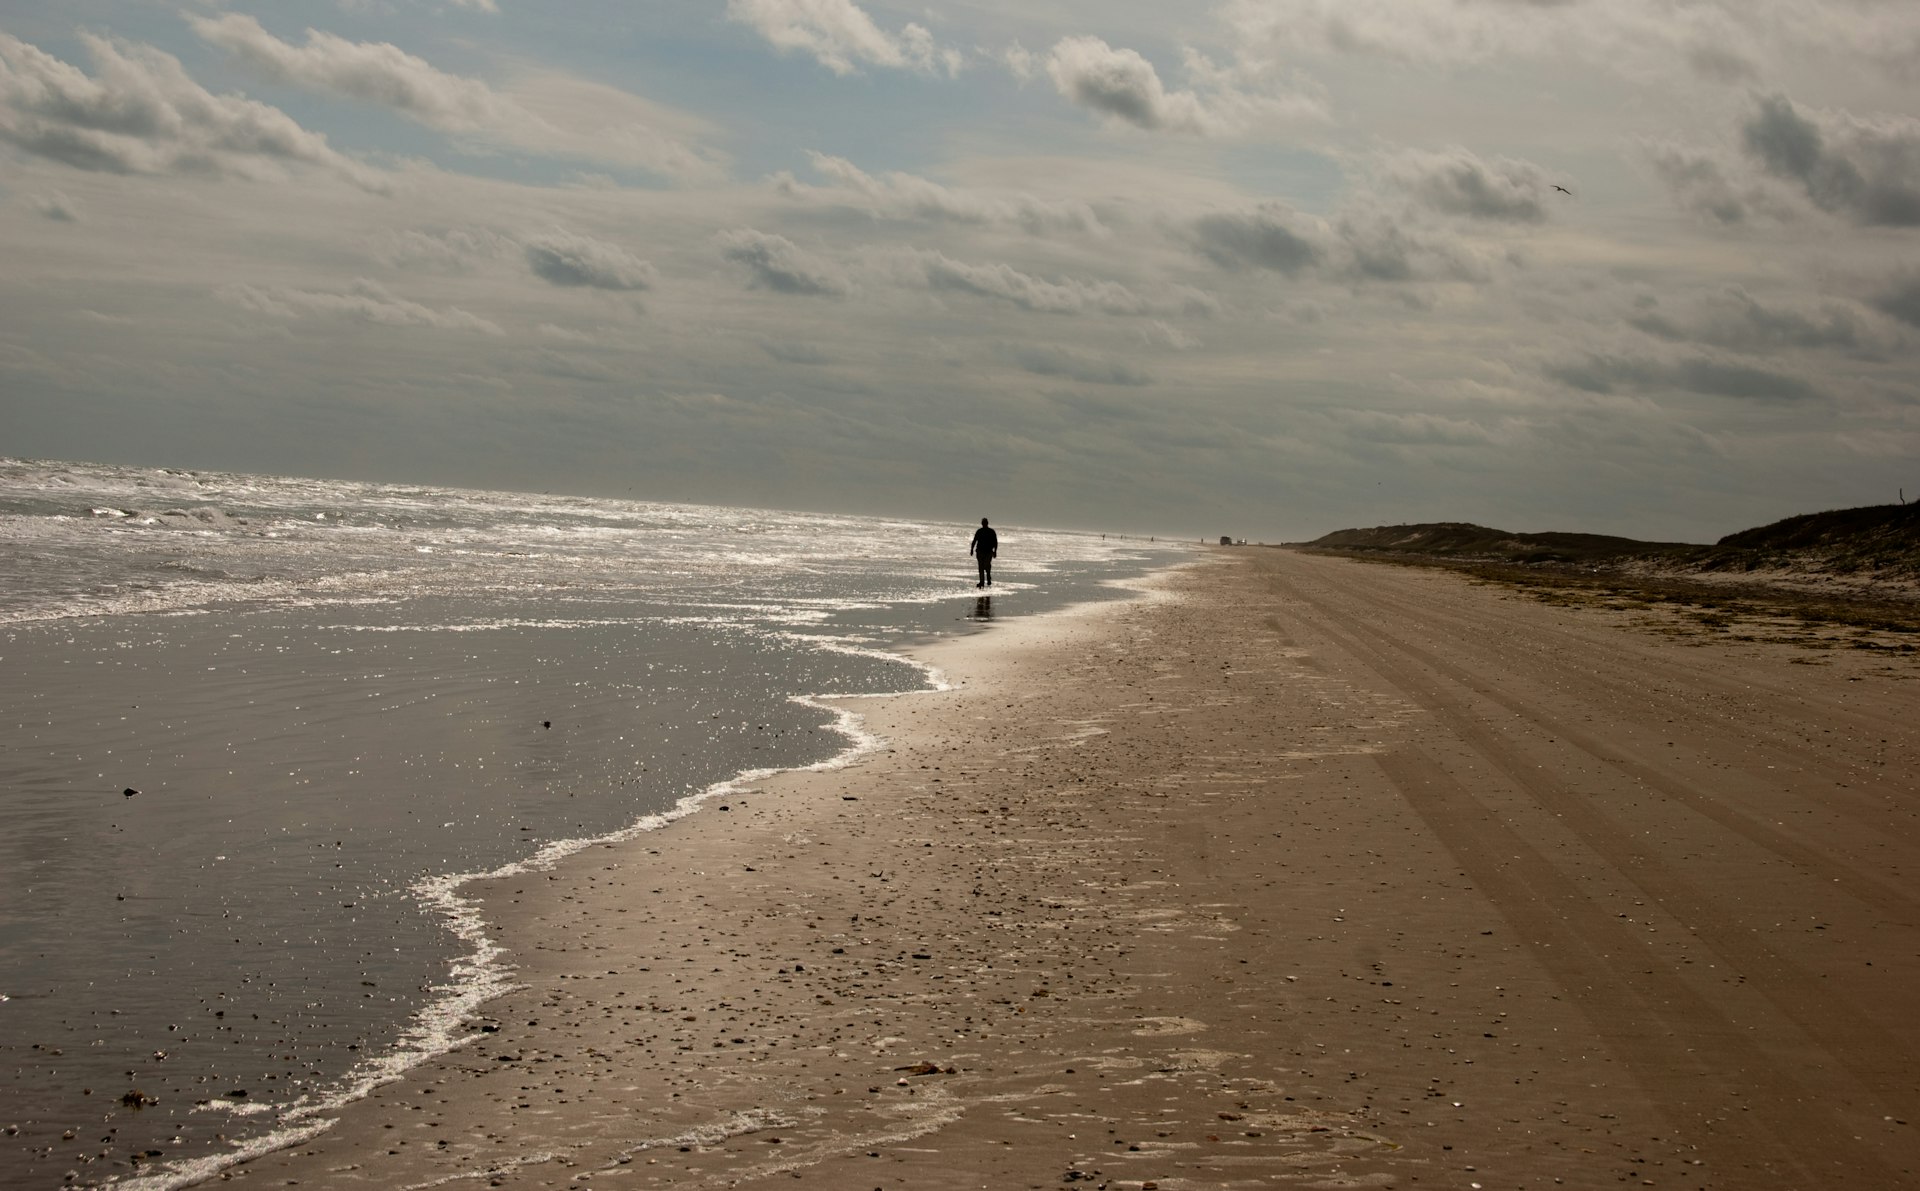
[
  {"x": 603, "y": 125},
  {"x": 1122, "y": 85},
  {"x": 141, "y": 113},
  {"x": 569, "y": 259},
  {"x": 1459, "y": 182},
  {"x": 842, "y": 37},
  {"x": 56, "y": 206},
  {"x": 779, "y": 264}
]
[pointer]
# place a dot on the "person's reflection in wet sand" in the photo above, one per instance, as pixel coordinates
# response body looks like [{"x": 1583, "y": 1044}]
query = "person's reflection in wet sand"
[{"x": 983, "y": 608}]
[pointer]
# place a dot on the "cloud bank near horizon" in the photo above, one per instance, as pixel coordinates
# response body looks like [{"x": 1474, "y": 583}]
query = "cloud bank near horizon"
[{"x": 1288, "y": 264}]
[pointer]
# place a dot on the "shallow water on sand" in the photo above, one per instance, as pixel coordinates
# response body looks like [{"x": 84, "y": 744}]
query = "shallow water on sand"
[{"x": 328, "y": 700}]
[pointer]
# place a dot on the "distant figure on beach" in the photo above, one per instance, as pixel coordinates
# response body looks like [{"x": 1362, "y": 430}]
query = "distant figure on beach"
[{"x": 984, "y": 546}]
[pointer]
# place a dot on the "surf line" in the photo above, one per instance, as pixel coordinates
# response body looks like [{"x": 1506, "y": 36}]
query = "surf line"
[{"x": 483, "y": 972}]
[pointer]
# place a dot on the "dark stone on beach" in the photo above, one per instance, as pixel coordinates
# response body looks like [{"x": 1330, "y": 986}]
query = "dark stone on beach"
[
  {"x": 129, "y": 791},
  {"x": 546, "y": 723},
  {"x": 137, "y": 1099}
]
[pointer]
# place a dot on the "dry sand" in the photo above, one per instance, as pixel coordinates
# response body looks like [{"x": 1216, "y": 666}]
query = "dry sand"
[{"x": 1300, "y": 872}]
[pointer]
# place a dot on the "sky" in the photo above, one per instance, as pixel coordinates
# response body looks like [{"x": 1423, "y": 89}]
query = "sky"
[{"x": 1266, "y": 268}]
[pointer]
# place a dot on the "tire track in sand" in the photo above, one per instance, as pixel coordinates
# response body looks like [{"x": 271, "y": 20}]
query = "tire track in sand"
[
  {"x": 1895, "y": 902},
  {"x": 1619, "y": 679},
  {"x": 1694, "y": 1060}
]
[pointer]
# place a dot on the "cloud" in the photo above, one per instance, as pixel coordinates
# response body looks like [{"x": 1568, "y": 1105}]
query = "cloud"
[
  {"x": 1411, "y": 30},
  {"x": 928, "y": 269},
  {"x": 449, "y": 251},
  {"x": 548, "y": 362},
  {"x": 897, "y": 195},
  {"x": 1072, "y": 365},
  {"x": 1735, "y": 319},
  {"x": 364, "y": 300},
  {"x": 1121, "y": 85},
  {"x": 1415, "y": 429},
  {"x": 1270, "y": 235},
  {"x": 373, "y": 72},
  {"x": 1165, "y": 334},
  {"x": 780, "y": 265},
  {"x": 56, "y": 206},
  {"x": 1696, "y": 374},
  {"x": 1720, "y": 64},
  {"x": 1699, "y": 183},
  {"x": 796, "y": 353},
  {"x": 568, "y": 259},
  {"x": 142, "y": 114},
  {"x": 1459, "y": 183},
  {"x": 558, "y": 256},
  {"x": 1864, "y": 170},
  {"x": 1376, "y": 246},
  {"x": 1360, "y": 244},
  {"x": 1902, "y": 300},
  {"x": 604, "y": 125},
  {"x": 1717, "y": 41},
  {"x": 1023, "y": 62},
  {"x": 842, "y": 37}
]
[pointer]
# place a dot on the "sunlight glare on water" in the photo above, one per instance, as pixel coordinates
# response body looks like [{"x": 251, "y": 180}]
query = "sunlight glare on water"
[{"x": 258, "y": 727}]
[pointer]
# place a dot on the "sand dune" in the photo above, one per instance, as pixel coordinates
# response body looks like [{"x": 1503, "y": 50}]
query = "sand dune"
[{"x": 1298, "y": 872}]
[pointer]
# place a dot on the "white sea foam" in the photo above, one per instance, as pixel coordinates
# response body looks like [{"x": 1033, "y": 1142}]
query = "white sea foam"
[{"x": 191, "y": 1171}]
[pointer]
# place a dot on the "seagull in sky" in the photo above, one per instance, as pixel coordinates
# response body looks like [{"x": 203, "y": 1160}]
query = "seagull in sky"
[{"x": 1563, "y": 190}]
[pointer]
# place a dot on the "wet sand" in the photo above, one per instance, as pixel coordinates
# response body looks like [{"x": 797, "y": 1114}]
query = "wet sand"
[{"x": 1298, "y": 872}]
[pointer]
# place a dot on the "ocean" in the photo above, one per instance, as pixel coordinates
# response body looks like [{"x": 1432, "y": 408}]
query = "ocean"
[{"x": 257, "y": 731}]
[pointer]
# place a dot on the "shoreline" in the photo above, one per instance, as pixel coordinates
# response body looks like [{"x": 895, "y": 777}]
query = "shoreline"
[
  {"x": 480, "y": 977},
  {"x": 464, "y": 896},
  {"x": 1175, "y": 892}
]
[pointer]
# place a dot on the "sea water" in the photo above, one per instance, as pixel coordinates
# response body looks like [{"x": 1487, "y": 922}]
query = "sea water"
[{"x": 256, "y": 732}]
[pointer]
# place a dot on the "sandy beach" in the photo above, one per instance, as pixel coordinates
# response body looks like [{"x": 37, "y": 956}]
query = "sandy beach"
[{"x": 1294, "y": 871}]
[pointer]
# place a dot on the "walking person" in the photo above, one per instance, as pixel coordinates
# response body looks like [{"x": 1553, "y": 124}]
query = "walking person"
[{"x": 984, "y": 546}]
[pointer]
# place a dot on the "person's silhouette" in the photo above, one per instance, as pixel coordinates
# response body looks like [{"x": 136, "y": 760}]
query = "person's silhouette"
[{"x": 984, "y": 546}]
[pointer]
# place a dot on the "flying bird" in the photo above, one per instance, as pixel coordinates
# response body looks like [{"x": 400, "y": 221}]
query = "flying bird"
[{"x": 1563, "y": 190}]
